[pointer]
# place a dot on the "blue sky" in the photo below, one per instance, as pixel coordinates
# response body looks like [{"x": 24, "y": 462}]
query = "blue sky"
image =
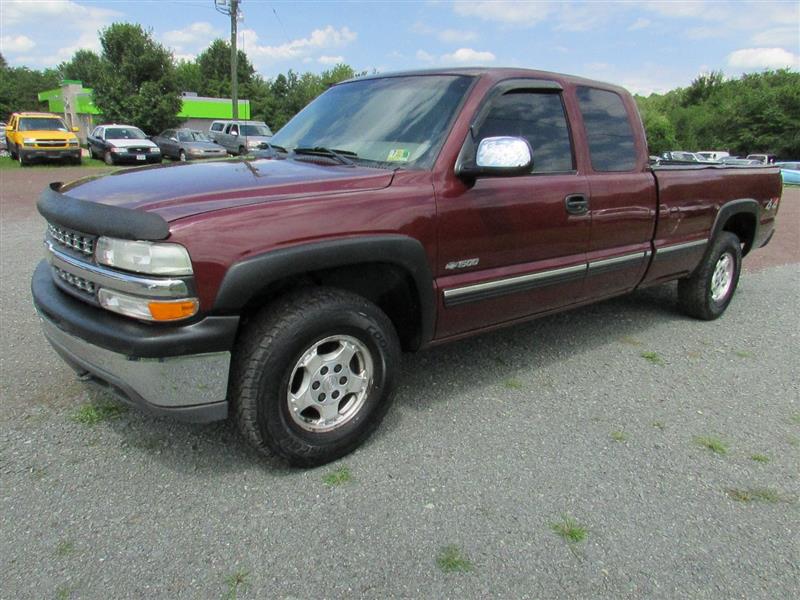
[{"x": 645, "y": 46}]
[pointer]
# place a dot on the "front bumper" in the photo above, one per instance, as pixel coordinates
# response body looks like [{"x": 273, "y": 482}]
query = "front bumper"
[
  {"x": 59, "y": 153},
  {"x": 133, "y": 158},
  {"x": 181, "y": 371}
]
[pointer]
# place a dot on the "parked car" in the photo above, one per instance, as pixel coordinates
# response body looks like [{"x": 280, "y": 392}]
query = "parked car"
[
  {"x": 766, "y": 159},
  {"x": 187, "y": 144},
  {"x": 439, "y": 205},
  {"x": 741, "y": 162},
  {"x": 680, "y": 156},
  {"x": 239, "y": 137},
  {"x": 790, "y": 172},
  {"x": 713, "y": 154},
  {"x": 35, "y": 135},
  {"x": 122, "y": 143}
]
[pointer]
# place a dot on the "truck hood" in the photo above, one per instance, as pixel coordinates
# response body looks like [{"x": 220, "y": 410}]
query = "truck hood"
[
  {"x": 185, "y": 189},
  {"x": 44, "y": 134}
]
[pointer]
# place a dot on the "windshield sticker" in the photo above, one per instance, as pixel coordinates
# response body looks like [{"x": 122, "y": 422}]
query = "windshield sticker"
[{"x": 398, "y": 155}]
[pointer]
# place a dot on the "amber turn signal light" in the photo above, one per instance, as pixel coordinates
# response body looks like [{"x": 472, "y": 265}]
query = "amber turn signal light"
[{"x": 172, "y": 311}]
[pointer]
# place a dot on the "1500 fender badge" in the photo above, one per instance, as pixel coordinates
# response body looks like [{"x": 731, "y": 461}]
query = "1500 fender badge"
[{"x": 462, "y": 264}]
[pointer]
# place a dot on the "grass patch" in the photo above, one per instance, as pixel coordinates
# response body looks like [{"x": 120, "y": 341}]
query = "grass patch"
[
  {"x": 95, "y": 412},
  {"x": 793, "y": 441},
  {"x": 618, "y": 436},
  {"x": 716, "y": 445},
  {"x": 513, "y": 384},
  {"x": 338, "y": 477},
  {"x": 743, "y": 353},
  {"x": 658, "y": 425},
  {"x": 754, "y": 495},
  {"x": 236, "y": 581},
  {"x": 795, "y": 418},
  {"x": 65, "y": 548},
  {"x": 762, "y": 458},
  {"x": 631, "y": 341},
  {"x": 652, "y": 357},
  {"x": 452, "y": 560},
  {"x": 569, "y": 529},
  {"x": 63, "y": 592},
  {"x": 7, "y": 163}
]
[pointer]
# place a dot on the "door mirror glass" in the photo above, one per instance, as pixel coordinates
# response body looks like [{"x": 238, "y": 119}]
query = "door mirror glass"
[
  {"x": 503, "y": 153},
  {"x": 173, "y": 139}
]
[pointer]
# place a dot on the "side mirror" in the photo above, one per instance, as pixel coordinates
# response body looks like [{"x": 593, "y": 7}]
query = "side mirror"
[
  {"x": 76, "y": 129},
  {"x": 9, "y": 129},
  {"x": 172, "y": 139},
  {"x": 500, "y": 156},
  {"x": 235, "y": 133}
]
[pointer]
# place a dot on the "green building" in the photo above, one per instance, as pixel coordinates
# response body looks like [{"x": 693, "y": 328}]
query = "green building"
[{"x": 75, "y": 102}]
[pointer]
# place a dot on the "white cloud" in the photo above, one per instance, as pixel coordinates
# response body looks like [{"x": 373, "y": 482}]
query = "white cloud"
[
  {"x": 640, "y": 23},
  {"x": 763, "y": 58},
  {"x": 16, "y": 43},
  {"x": 465, "y": 56},
  {"x": 505, "y": 11},
  {"x": 779, "y": 36},
  {"x": 319, "y": 39},
  {"x": 330, "y": 60},
  {"x": 199, "y": 32},
  {"x": 64, "y": 11},
  {"x": 425, "y": 56},
  {"x": 448, "y": 36}
]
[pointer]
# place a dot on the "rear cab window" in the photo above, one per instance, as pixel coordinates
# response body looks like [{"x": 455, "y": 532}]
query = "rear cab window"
[
  {"x": 217, "y": 126},
  {"x": 612, "y": 146},
  {"x": 538, "y": 117}
]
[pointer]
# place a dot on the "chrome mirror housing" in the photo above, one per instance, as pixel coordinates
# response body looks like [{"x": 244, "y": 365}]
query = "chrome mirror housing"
[{"x": 503, "y": 154}]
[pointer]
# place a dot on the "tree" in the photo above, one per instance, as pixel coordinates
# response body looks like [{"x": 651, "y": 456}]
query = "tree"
[
  {"x": 84, "y": 66},
  {"x": 215, "y": 70},
  {"x": 660, "y": 132},
  {"x": 138, "y": 82},
  {"x": 20, "y": 87}
]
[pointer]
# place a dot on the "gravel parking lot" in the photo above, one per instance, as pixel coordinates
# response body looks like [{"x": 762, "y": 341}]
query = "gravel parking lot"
[{"x": 670, "y": 448}]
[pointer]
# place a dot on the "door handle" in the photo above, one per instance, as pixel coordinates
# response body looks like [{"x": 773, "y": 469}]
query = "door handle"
[{"x": 576, "y": 204}]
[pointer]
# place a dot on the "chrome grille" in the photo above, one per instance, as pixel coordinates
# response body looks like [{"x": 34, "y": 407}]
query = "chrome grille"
[
  {"x": 76, "y": 240},
  {"x": 79, "y": 283},
  {"x": 138, "y": 150}
]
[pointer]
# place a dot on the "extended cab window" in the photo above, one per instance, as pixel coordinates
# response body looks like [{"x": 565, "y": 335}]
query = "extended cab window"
[
  {"x": 539, "y": 118},
  {"x": 608, "y": 129},
  {"x": 217, "y": 126}
]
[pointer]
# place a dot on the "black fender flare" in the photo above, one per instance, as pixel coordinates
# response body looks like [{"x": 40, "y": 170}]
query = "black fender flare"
[
  {"x": 247, "y": 278},
  {"x": 735, "y": 207}
]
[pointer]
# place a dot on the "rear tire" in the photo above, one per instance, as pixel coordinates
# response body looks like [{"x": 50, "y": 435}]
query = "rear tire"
[
  {"x": 707, "y": 292},
  {"x": 313, "y": 375}
]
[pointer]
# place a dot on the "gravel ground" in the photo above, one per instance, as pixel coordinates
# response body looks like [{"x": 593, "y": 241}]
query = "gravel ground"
[{"x": 491, "y": 441}]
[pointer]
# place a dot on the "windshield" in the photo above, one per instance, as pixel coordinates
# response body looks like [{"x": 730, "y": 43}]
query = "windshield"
[
  {"x": 249, "y": 130},
  {"x": 193, "y": 136},
  {"x": 401, "y": 121},
  {"x": 49, "y": 124},
  {"x": 125, "y": 133}
]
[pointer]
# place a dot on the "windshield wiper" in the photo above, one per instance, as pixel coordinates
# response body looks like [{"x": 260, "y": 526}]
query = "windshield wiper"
[{"x": 340, "y": 155}]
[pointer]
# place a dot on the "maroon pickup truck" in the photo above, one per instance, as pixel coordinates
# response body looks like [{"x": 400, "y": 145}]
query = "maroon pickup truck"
[{"x": 394, "y": 212}]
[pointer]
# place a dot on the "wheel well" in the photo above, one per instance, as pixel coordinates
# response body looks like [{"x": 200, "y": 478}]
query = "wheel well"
[
  {"x": 743, "y": 225},
  {"x": 387, "y": 286}
]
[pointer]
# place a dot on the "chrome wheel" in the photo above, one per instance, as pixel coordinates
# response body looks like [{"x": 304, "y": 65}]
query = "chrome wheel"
[
  {"x": 182, "y": 156},
  {"x": 329, "y": 384},
  {"x": 722, "y": 278}
]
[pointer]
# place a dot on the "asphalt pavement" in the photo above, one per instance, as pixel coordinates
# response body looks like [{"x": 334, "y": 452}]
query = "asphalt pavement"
[{"x": 670, "y": 447}]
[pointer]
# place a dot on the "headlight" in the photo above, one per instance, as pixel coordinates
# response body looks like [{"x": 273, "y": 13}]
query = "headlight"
[
  {"x": 155, "y": 150},
  {"x": 153, "y": 258},
  {"x": 148, "y": 309},
  {"x": 73, "y": 142},
  {"x": 29, "y": 141},
  {"x": 116, "y": 150},
  {"x": 254, "y": 144}
]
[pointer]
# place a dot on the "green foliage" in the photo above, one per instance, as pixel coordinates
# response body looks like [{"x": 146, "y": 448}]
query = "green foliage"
[
  {"x": 137, "y": 83},
  {"x": 20, "y": 87},
  {"x": 758, "y": 112},
  {"x": 84, "y": 66},
  {"x": 214, "y": 65}
]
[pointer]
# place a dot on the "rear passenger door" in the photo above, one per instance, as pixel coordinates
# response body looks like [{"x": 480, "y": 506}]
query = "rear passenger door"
[
  {"x": 511, "y": 247},
  {"x": 623, "y": 193}
]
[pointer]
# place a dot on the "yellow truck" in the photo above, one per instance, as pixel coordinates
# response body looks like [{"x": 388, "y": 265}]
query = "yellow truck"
[{"x": 35, "y": 135}]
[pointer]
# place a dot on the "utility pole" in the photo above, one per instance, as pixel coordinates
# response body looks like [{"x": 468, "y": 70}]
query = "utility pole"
[{"x": 231, "y": 7}]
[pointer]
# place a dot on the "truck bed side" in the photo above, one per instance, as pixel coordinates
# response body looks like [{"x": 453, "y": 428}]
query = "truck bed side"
[{"x": 696, "y": 202}]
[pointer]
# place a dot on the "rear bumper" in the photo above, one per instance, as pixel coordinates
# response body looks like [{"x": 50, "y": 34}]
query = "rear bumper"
[{"x": 180, "y": 371}]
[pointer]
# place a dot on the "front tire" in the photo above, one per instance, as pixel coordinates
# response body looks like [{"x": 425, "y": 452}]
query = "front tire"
[
  {"x": 313, "y": 375},
  {"x": 707, "y": 292},
  {"x": 108, "y": 159},
  {"x": 182, "y": 156}
]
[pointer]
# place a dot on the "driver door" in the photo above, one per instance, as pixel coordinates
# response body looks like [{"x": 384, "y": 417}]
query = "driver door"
[{"x": 515, "y": 246}]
